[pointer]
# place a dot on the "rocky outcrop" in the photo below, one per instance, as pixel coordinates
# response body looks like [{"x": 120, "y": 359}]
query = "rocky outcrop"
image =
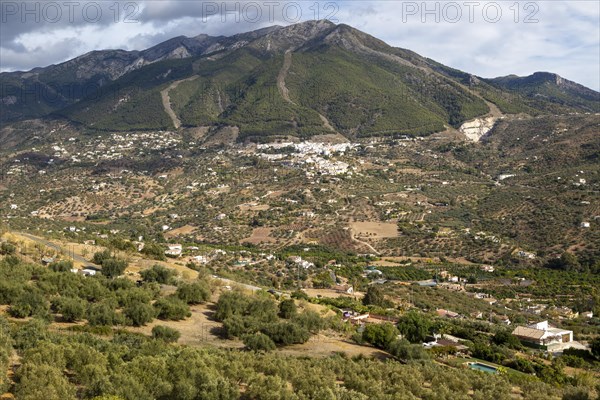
[{"x": 477, "y": 128}]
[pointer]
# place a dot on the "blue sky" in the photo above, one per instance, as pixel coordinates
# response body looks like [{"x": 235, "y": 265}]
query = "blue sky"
[{"x": 486, "y": 38}]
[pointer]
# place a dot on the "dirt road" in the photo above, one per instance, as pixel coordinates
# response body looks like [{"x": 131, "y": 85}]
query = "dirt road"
[{"x": 76, "y": 257}]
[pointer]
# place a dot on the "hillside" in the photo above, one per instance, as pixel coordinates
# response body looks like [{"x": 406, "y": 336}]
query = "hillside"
[
  {"x": 302, "y": 80},
  {"x": 545, "y": 86}
]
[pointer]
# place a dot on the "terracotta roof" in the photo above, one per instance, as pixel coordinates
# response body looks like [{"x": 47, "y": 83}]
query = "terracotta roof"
[
  {"x": 532, "y": 333},
  {"x": 446, "y": 313}
]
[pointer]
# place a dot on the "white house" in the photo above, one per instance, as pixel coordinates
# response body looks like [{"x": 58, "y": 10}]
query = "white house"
[
  {"x": 300, "y": 262},
  {"x": 343, "y": 289},
  {"x": 89, "y": 271},
  {"x": 174, "y": 250},
  {"x": 201, "y": 259},
  {"x": 542, "y": 335},
  {"x": 525, "y": 254}
]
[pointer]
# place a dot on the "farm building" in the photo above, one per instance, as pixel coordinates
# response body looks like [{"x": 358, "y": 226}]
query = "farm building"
[
  {"x": 542, "y": 335},
  {"x": 174, "y": 250},
  {"x": 447, "y": 313},
  {"x": 343, "y": 289}
]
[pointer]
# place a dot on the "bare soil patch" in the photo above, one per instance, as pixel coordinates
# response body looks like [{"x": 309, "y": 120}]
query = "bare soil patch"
[
  {"x": 184, "y": 230},
  {"x": 260, "y": 235},
  {"x": 374, "y": 230},
  {"x": 199, "y": 329},
  {"x": 253, "y": 207},
  {"x": 322, "y": 345}
]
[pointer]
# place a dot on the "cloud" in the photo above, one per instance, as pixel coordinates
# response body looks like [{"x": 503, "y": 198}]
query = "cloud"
[
  {"x": 486, "y": 38},
  {"x": 33, "y": 55}
]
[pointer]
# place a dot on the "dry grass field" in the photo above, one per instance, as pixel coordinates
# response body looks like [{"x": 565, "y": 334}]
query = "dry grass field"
[
  {"x": 260, "y": 235},
  {"x": 374, "y": 230},
  {"x": 184, "y": 230},
  {"x": 253, "y": 207}
]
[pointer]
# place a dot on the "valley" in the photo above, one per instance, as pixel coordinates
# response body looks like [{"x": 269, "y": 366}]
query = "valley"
[{"x": 298, "y": 212}]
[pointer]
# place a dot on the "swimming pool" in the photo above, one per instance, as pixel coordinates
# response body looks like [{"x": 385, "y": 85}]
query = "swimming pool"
[{"x": 483, "y": 367}]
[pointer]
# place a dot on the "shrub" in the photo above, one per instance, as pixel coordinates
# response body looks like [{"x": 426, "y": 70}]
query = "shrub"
[
  {"x": 171, "y": 308},
  {"x": 113, "y": 267},
  {"x": 139, "y": 314},
  {"x": 522, "y": 365},
  {"x": 165, "y": 333},
  {"x": 30, "y": 334},
  {"x": 506, "y": 338},
  {"x": 71, "y": 308},
  {"x": 7, "y": 249},
  {"x": 9, "y": 291},
  {"x": 103, "y": 314},
  {"x": 300, "y": 295},
  {"x": 123, "y": 245},
  {"x": 100, "y": 256},
  {"x": 230, "y": 303},
  {"x": 43, "y": 382},
  {"x": 29, "y": 303},
  {"x": 573, "y": 361},
  {"x": 287, "y": 309},
  {"x": 194, "y": 293},
  {"x": 262, "y": 309},
  {"x": 380, "y": 335},
  {"x": 61, "y": 266},
  {"x": 403, "y": 350},
  {"x": 414, "y": 326},
  {"x": 566, "y": 262},
  {"x": 309, "y": 320},
  {"x": 126, "y": 297},
  {"x": 493, "y": 353},
  {"x": 595, "y": 347},
  {"x": 259, "y": 342},
  {"x": 159, "y": 274},
  {"x": 234, "y": 326},
  {"x": 154, "y": 251},
  {"x": 583, "y": 354},
  {"x": 286, "y": 333},
  {"x": 375, "y": 297}
]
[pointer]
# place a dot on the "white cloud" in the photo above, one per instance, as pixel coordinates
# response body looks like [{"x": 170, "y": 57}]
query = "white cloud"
[{"x": 565, "y": 40}]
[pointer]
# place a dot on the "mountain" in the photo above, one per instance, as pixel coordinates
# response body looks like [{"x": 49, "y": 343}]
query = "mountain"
[
  {"x": 551, "y": 87},
  {"x": 43, "y": 90},
  {"x": 301, "y": 80}
]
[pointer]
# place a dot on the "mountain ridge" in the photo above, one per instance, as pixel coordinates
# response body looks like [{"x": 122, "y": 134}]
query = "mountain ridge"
[{"x": 375, "y": 83}]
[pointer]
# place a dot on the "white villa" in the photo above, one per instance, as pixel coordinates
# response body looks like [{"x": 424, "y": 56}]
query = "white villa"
[
  {"x": 542, "y": 335},
  {"x": 174, "y": 250}
]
